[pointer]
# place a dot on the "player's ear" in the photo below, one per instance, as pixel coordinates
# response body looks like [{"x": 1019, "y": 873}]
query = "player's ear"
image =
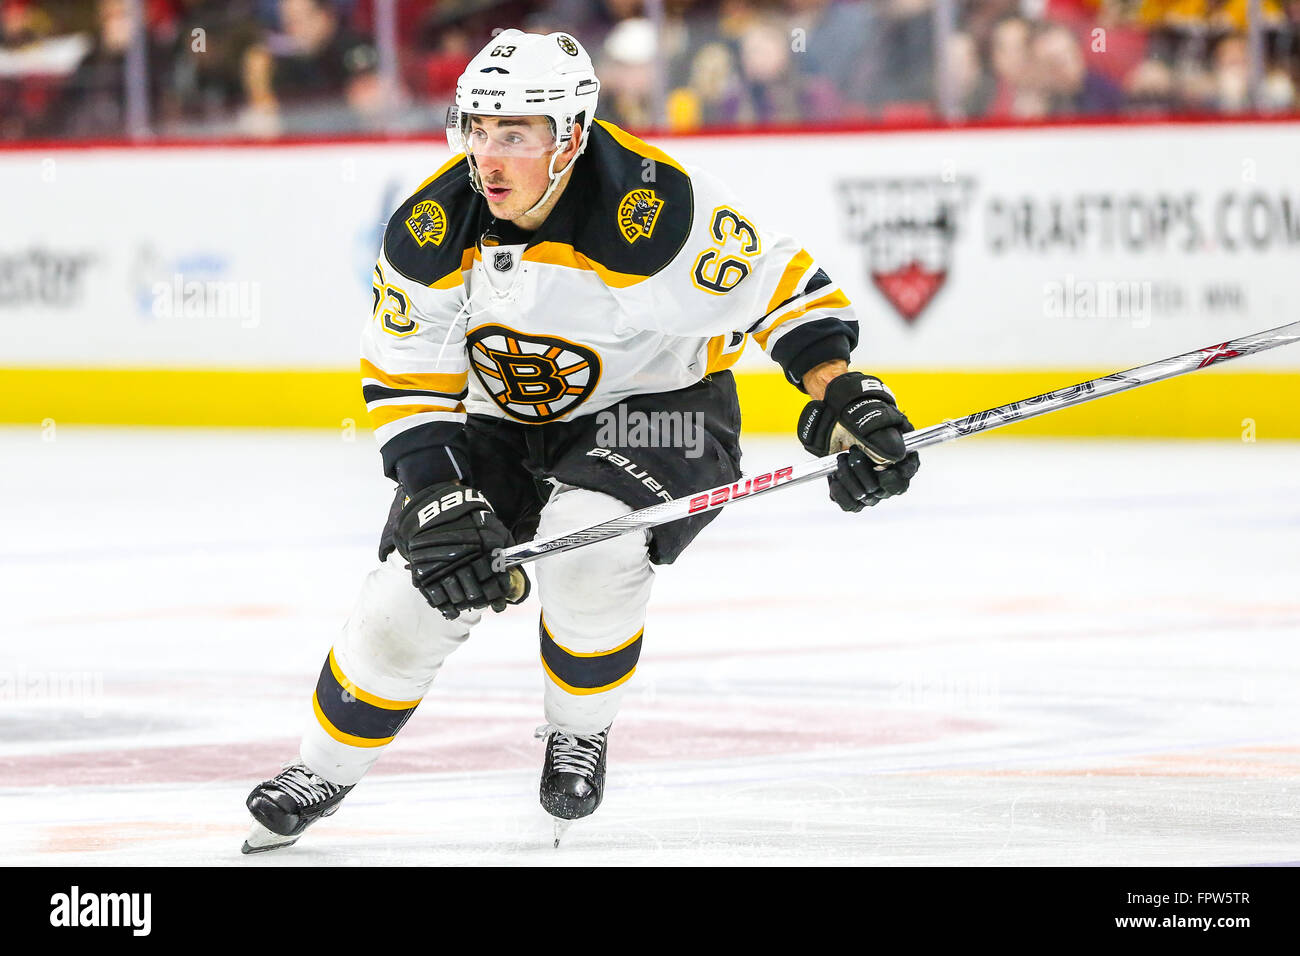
[{"x": 572, "y": 146}]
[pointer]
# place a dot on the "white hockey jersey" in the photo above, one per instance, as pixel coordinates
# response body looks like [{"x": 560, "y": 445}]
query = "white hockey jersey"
[{"x": 645, "y": 278}]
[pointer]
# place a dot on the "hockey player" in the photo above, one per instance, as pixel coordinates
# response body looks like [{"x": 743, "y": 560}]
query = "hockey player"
[{"x": 555, "y": 269}]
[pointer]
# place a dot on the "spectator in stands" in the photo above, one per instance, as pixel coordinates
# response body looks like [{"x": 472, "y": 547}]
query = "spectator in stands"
[
  {"x": 24, "y": 98},
  {"x": 309, "y": 68},
  {"x": 1231, "y": 62},
  {"x": 1008, "y": 56},
  {"x": 837, "y": 54},
  {"x": 591, "y": 21},
  {"x": 905, "y": 81},
  {"x": 206, "y": 74},
  {"x": 627, "y": 74},
  {"x": 1232, "y": 93},
  {"x": 93, "y": 103},
  {"x": 1149, "y": 89},
  {"x": 443, "y": 67},
  {"x": 714, "y": 95},
  {"x": 21, "y": 24},
  {"x": 767, "y": 70},
  {"x": 972, "y": 88},
  {"x": 1060, "y": 75},
  {"x": 1194, "y": 87}
]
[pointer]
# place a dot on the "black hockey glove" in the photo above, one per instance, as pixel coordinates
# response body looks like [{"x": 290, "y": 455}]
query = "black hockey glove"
[
  {"x": 447, "y": 534},
  {"x": 859, "y": 416}
]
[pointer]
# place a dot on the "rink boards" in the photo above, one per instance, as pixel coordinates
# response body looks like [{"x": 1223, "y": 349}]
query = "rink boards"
[{"x": 227, "y": 285}]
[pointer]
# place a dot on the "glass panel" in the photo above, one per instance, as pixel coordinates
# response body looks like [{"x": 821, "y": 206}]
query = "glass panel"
[{"x": 273, "y": 68}]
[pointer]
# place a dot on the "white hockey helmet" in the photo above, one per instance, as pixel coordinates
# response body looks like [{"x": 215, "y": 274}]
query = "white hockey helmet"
[{"x": 527, "y": 74}]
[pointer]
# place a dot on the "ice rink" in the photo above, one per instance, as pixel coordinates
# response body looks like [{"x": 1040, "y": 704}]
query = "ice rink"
[{"x": 1048, "y": 652}]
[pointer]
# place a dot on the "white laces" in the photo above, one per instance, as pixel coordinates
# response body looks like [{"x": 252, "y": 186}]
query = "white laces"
[
  {"x": 573, "y": 753},
  {"x": 305, "y": 787}
]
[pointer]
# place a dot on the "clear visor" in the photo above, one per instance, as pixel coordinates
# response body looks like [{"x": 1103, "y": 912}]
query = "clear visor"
[{"x": 503, "y": 136}]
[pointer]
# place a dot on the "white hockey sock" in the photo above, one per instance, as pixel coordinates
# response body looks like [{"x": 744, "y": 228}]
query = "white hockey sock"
[
  {"x": 593, "y": 612},
  {"x": 376, "y": 674}
]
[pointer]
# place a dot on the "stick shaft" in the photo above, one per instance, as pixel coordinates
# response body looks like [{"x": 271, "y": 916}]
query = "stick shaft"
[{"x": 950, "y": 430}]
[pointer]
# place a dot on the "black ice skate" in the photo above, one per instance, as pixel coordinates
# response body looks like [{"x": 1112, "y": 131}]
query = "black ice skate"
[
  {"x": 573, "y": 775},
  {"x": 282, "y": 808}
]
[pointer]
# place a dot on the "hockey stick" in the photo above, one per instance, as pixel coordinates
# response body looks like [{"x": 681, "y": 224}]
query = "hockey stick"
[{"x": 748, "y": 488}]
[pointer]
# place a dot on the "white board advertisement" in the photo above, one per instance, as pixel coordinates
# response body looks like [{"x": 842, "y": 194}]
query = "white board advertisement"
[{"x": 978, "y": 249}]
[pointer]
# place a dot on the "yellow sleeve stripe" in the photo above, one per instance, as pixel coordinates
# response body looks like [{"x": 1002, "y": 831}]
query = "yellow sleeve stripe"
[
  {"x": 425, "y": 381},
  {"x": 834, "y": 300},
  {"x": 794, "y": 271},
  {"x": 563, "y": 254},
  {"x": 640, "y": 147},
  {"x": 361, "y": 695},
  {"x": 718, "y": 362},
  {"x": 387, "y": 414}
]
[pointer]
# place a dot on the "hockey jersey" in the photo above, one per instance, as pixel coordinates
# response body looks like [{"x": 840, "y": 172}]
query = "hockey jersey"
[{"x": 645, "y": 277}]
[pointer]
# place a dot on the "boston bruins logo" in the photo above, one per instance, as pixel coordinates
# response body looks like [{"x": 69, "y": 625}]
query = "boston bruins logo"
[
  {"x": 428, "y": 223},
  {"x": 534, "y": 378},
  {"x": 637, "y": 214},
  {"x": 567, "y": 45}
]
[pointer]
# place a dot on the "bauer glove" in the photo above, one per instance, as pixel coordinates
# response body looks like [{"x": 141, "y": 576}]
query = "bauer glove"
[
  {"x": 858, "y": 416},
  {"x": 448, "y": 533}
]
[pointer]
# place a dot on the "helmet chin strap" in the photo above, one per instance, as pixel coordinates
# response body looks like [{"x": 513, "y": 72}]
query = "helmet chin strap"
[{"x": 554, "y": 178}]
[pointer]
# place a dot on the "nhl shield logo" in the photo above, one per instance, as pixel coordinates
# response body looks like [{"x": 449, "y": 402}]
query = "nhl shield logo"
[
  {"x": 906, "y": 228},
  {"x": 427, "y": 223},
  {"x": 503, "y": 261},
  {"x": 637, "y": 214}
]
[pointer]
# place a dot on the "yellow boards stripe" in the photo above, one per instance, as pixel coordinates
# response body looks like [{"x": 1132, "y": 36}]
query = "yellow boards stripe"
[
  {"x": 1215, "y": 403},
  {"x": 226, "y": 398}
]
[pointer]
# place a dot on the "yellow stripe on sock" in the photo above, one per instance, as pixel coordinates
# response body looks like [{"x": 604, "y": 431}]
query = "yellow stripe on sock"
[
  {"x": 583, "y": 691},
  {"x": 613, "y": 650},
  {"x": 350, "y": 739},
  {"x": 366, "y": 697}
]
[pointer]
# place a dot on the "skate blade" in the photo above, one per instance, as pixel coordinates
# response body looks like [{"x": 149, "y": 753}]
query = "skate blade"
[
  {"x": 260, "y": 839},
  {"x": 561, "y": 828}
]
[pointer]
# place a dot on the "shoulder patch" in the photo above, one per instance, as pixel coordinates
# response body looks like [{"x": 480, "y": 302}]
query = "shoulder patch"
[
  {"x": 427, "y": 235},
  {"x": 427, "y": 222},
  {"x": 642, "y": 205},
  {"x": 638, "y": 213}
]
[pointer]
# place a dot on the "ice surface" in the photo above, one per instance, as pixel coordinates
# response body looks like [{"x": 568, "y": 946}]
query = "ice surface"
[{"x": 1048, "y": 652}]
